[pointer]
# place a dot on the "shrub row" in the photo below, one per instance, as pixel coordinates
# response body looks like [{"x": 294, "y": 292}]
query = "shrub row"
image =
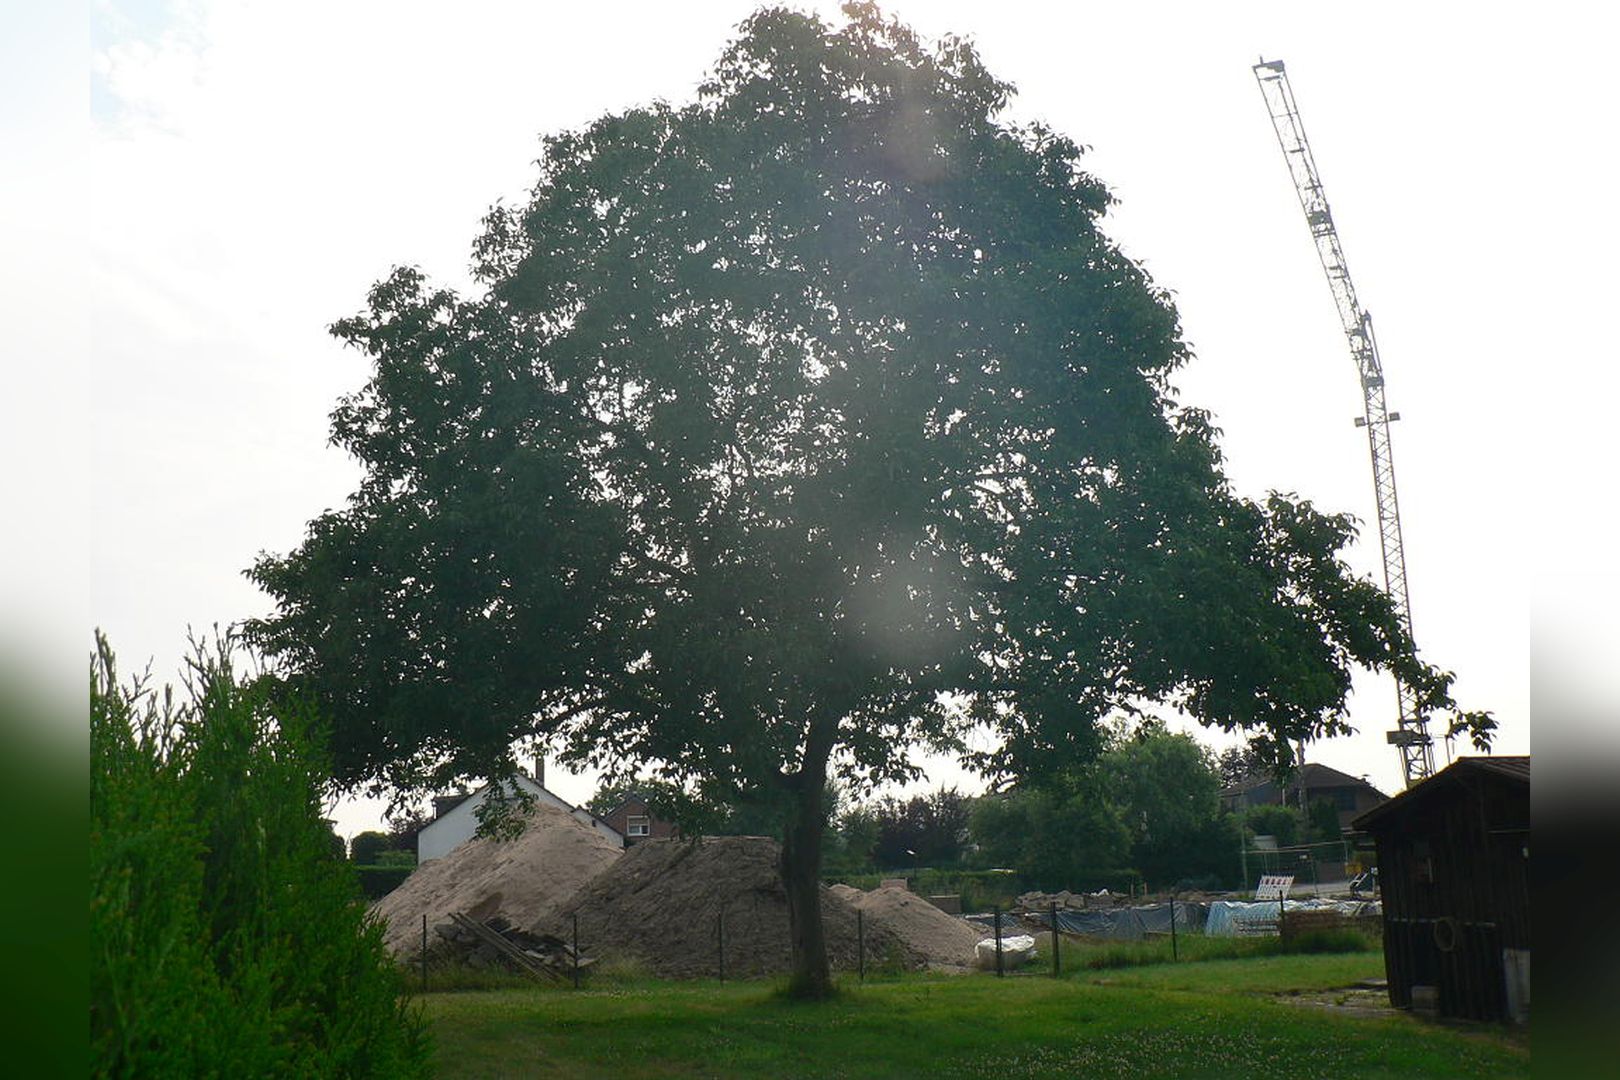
[
  {"x": 225, "y": 938},
  {"x": 377, "y": 882}
]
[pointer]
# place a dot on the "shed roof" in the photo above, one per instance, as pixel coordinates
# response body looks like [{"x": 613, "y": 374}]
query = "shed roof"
[{"x": 1513, "y": 769}]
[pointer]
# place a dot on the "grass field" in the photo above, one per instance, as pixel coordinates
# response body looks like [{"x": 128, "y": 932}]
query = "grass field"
[{"x": 1218, "y": 1018}]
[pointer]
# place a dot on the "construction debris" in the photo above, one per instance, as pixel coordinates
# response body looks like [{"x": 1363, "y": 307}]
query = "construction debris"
[
  {"x": 1064, "y": 899},
  {"x": 494, "y": 942}
]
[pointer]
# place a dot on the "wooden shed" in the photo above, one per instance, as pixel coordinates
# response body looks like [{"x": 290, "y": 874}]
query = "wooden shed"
[{"x": 1453, "y": 864}]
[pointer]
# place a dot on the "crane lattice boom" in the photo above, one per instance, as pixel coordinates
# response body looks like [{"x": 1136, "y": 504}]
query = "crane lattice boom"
[{"x": 1411, "y": 734}]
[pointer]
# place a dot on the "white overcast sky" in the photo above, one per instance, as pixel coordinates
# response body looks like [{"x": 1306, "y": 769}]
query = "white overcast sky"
[{"x": 254, "y": 167}]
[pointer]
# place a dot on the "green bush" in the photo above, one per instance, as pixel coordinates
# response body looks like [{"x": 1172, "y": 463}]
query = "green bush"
[
  {"x": 1283, "y": 822},
  {"x": 224, "y": 938},
  {"x": 377, "y": 882}
]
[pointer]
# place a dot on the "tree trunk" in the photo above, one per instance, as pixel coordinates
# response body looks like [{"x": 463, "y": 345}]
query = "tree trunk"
[
  {"x": 801, "y": 867},
  {"x": 801, "y": 877}
]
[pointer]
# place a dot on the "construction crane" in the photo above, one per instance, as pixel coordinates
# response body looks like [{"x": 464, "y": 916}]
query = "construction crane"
[{"x": 1411, "y": 735}]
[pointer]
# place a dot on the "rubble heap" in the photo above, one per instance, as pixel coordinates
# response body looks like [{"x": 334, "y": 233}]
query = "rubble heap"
[
  {"x": 1069, "y": 901},
  {"x": 496, "y": 943},
  {"x": 942, "y": 940},
  {"x": 662, "y": 904}
]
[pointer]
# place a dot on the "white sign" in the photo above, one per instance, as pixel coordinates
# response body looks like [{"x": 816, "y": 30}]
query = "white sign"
[{"x": 1274, "y": 886}]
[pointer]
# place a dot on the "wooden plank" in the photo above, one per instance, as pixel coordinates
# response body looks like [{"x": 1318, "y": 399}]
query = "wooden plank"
[{"x": 502, "y": 946}]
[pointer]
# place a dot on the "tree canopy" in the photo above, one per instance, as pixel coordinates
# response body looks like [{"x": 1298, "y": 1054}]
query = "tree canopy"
[
  {"x": 1148, "y": 804},
  {"x": 790, "y": 428}
]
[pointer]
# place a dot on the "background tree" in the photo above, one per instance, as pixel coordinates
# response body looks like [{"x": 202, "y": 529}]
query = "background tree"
[
  {"x": 794, "y": 427},
  {"x": 924, "y": 830},
  {"x": 858, "y": 831},
  {"x": 403, "y": 825},
  {"x": 1239, "y": 763},
  {"x": 366, "y": 846}
]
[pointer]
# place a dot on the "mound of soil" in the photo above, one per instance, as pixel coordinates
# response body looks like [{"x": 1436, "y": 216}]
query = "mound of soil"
[
  {"x": 926, "y": 931},
  {"x": 520, "y": 880},
  {"x": 661, "y": 906}
]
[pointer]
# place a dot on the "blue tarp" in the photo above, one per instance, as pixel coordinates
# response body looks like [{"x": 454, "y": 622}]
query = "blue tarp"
[
  {"x": 1229, "y": 918},
  {"x": 1133, "y": 924},
  {"x": 1223, "y": 918}
]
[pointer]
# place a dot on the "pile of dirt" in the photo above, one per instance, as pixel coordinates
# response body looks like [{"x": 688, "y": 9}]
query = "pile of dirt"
[
  {"x": 663, "y": 903},
  {"x": 520, "y": 880},
  {"x": 925, "y": 930}
]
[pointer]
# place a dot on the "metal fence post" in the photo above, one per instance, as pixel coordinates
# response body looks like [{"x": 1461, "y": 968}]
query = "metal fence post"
[
  {"x": 1173, "y": 954},
  {"x": 720, "y": 937},
  {"x": 999, "y": 969},
  {"x": 424, "y": 952},
  {"x": 860, "y": 943},
  {"x": 1057, "y": 964},
  {"x": 576, "y": 950}
]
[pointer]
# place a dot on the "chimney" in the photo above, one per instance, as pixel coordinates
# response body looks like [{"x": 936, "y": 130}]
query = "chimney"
[{"x": 540, "y": 769}]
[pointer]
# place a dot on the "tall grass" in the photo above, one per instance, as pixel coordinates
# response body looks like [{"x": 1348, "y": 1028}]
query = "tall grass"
[
  {"x": 1158, "y": 949},
  {"x": 225, "y": 938}
]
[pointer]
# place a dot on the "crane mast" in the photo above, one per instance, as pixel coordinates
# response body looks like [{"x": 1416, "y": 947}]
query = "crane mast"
[{"x": 1411, "y": 736}]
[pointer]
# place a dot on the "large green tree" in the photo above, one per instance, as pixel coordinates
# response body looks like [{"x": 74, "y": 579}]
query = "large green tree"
[
  {"x": 790, "y": 428},
  {"x": 1062, "y": 832},
  {"x": 1168, "y": 792}
]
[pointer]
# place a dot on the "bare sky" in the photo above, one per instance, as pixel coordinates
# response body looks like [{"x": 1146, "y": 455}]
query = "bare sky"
[{"x": 255, "y": 167}]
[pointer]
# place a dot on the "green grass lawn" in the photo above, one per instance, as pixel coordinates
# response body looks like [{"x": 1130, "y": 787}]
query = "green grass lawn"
[{"x": 1219, "y": 1018}]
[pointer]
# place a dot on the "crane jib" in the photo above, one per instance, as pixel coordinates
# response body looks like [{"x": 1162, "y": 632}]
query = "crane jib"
[{"x": 1411, "y": 735}]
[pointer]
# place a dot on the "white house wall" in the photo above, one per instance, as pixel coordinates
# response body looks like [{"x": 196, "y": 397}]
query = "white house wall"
[{"x": 441, "y": 835}]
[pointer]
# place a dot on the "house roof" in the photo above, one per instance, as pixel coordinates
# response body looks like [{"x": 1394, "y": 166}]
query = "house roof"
[
  {"x": 525, "y": 780},
  {"x": 631, "y": 797},
  {"x": 1515, "y": 770},
  {"x": 1310, "y": 776},
  {"x": 1248, "y": 783}
]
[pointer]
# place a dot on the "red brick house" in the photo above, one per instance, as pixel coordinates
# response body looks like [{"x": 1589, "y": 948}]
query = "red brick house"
[{"x": 637, "y": 822}]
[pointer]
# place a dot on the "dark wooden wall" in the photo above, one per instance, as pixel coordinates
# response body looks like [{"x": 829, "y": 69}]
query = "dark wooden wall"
[{"x": 1454, "y": 871}]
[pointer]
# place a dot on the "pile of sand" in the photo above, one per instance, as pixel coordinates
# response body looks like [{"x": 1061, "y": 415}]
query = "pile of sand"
[
  {"x": 522, "y": 880},
  {"x": 660, "y": 906},
  {"x": 926, "y": 931}
]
